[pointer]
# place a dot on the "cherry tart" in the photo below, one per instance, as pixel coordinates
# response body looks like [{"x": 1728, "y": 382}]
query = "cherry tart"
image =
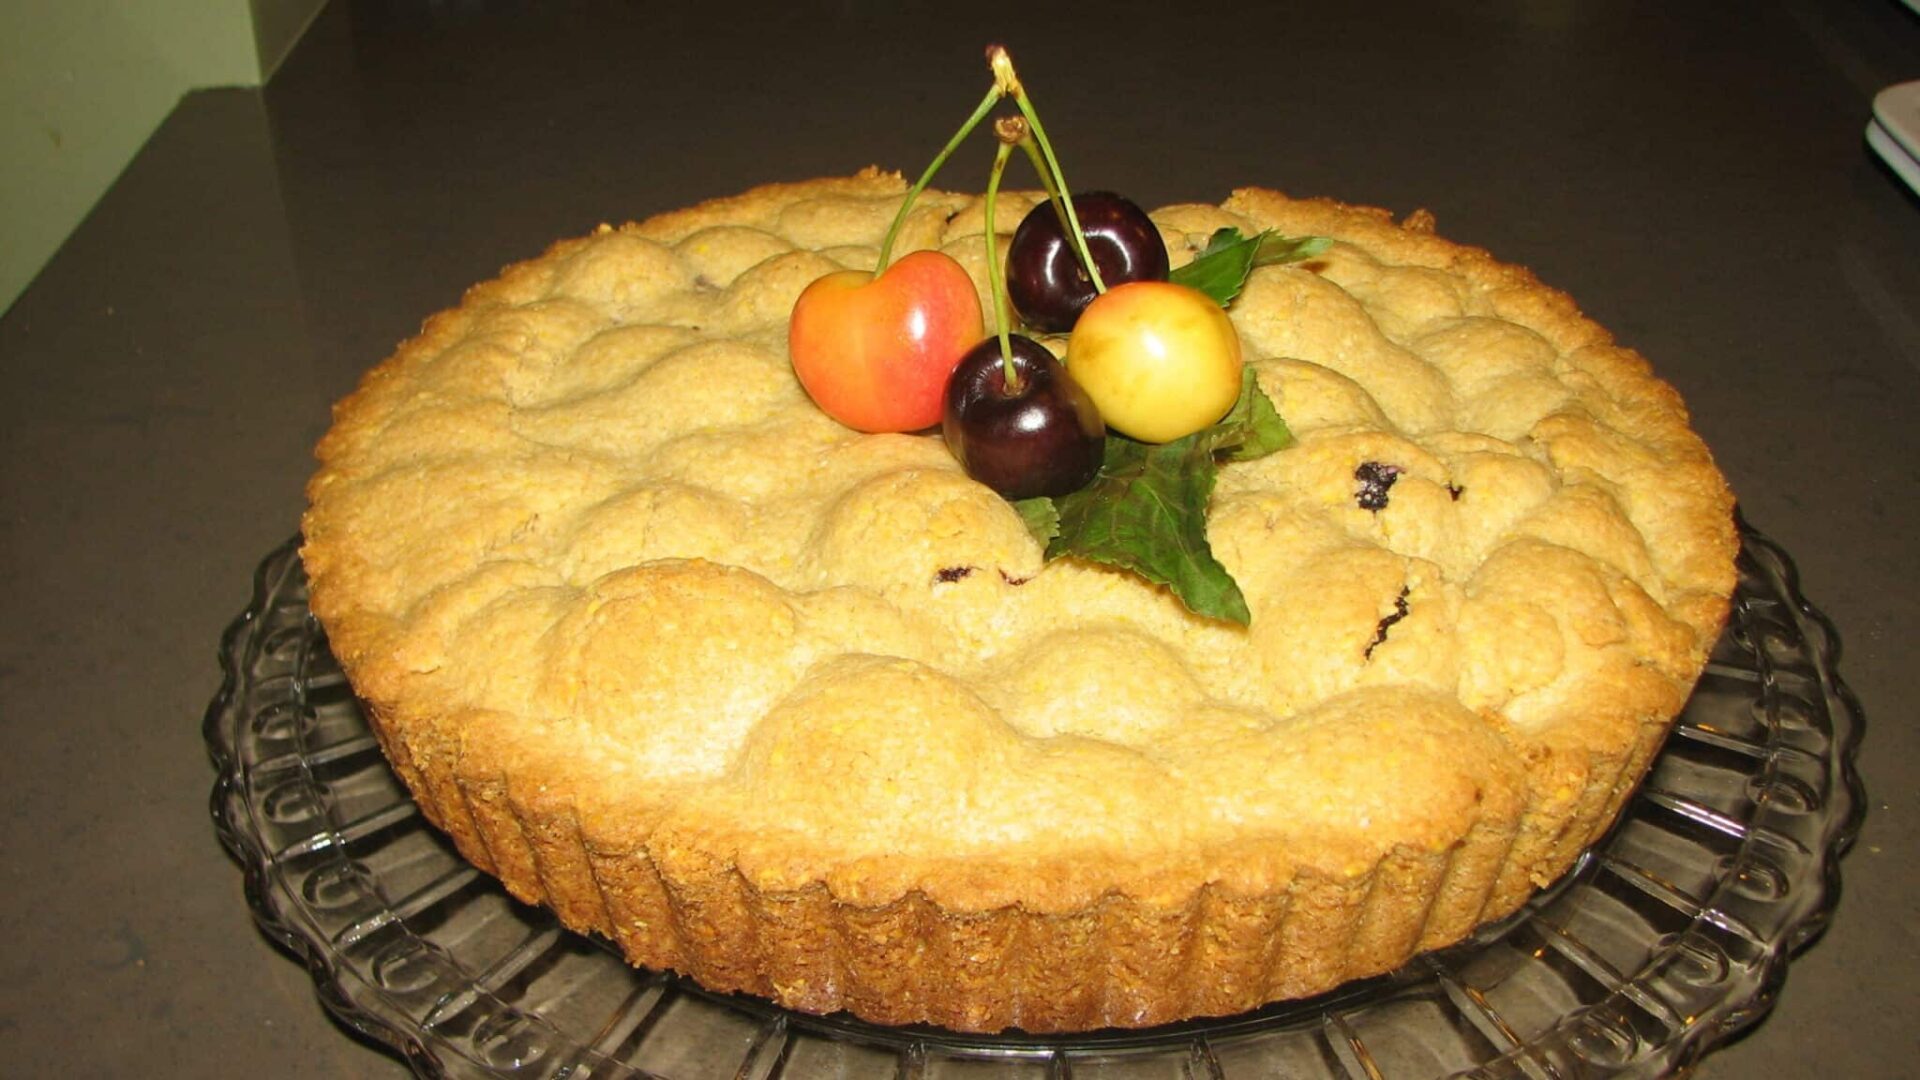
[{"x": 803, "y": 712}]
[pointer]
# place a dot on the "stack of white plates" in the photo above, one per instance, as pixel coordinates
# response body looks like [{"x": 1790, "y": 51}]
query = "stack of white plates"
[{"x": 1894, "y": 131}]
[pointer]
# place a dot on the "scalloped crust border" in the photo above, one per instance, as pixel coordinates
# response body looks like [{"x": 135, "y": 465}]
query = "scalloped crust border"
[{"x": 1120, "y": 961}]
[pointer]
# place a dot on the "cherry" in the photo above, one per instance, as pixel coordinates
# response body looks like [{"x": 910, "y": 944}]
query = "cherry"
[
  {"x": 1041, "y": 435},
  {"x": 874, "y": 352},
  {"x": 1160, "y": 360},
  {"x": 1045, "y": 279}
]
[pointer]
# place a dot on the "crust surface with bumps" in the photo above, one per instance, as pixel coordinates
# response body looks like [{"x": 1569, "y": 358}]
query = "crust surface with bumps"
[{"x": 801, "y": 712}]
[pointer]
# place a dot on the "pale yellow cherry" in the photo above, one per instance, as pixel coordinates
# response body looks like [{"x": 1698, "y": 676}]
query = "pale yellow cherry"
[{"x": 1161, "y": 360}]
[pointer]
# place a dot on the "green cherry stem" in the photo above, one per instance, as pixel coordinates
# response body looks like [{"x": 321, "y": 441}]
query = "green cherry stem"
[
  {"x": 1006, "y": 81},
  {"x": 994, "y": 94},
  {"x": 1046, "y": 178},
  {"x": 1054, "y": 197},
  {"x": 996, "y": 277}
]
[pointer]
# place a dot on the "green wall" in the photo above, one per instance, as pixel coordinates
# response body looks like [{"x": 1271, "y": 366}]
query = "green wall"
[{"x": 84, "y": 82}]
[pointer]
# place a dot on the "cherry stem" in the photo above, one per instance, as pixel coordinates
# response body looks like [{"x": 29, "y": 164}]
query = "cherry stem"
[
  {"x": 996, "y": 278},
  {"x": 1046, "y": 183},
  {"x": 1046, "y": 179},
  {"x": 980, "y": 112},
  {"x": 1052, "y": 177}
]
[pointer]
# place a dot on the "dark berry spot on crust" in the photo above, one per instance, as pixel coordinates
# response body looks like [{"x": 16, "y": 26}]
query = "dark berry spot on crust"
[
  {"x": 1454, "y": 491},
  {"x": 1380, "y": 631},
  {"x": 1375, "y": 479},
  {"x": 1011, "y": 580},
  {"x": 951, "y": 574}
]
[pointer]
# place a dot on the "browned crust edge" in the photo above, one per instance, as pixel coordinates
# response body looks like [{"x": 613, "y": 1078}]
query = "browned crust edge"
[{"x": 1121, "y": 960}]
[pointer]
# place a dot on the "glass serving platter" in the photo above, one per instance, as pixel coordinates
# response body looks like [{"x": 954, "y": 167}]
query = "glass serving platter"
[{"x": 1668, "y": 937}]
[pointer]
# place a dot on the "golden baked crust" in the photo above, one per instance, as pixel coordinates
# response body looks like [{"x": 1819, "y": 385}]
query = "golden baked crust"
[{"x": 800, "y": 712}]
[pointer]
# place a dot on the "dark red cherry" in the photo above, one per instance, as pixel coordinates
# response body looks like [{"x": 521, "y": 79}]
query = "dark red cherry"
[
  {"x": 1045, "y": 281},
  {"x": 1042, "y": 437}
]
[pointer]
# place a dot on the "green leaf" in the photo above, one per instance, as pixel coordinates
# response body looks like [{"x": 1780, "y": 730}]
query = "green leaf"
[
  {"x": 1222, "y": 268},
  {"x": 1041, "y": 517},
  {"x": 1221, "y": 240},
  {"x": 1253, "y": 427},
  {"x": 1146, "y": 512},
  {"x": 1276, "y": 249}
]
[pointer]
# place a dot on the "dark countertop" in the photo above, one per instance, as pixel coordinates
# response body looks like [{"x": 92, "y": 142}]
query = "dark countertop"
[{"x": 1696, "y": 179}]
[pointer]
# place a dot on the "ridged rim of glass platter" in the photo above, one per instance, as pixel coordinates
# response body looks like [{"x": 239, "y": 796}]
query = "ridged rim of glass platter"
[{"x": 1668, "y": 937}]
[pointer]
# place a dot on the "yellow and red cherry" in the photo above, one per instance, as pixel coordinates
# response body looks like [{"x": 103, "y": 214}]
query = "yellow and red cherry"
[
  {"x": 1045, "y": 279},
  {"x": 874, "y": 352},
  {"x": 1160, "y": 360},
  {"x": 1038, "y": 434}
]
